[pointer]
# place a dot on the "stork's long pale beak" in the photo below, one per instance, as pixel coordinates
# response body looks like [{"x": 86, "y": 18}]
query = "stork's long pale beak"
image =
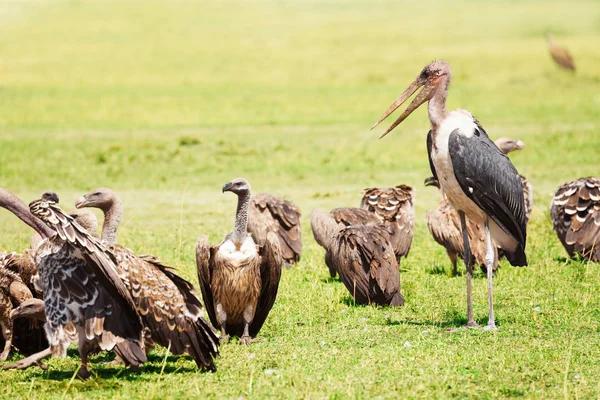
[{"x": 421, "y": 98}]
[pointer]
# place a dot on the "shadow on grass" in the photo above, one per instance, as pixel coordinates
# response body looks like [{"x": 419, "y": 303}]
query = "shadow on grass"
[
  {"x": 456, "y": 322},
  {"x": 329, "y": 279}
]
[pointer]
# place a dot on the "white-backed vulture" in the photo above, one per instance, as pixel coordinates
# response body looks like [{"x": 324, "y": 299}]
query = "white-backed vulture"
[
  {"x": 444, "y": 226},
  {"x": 80, "y": 286},
  {"x": 395, "y": 207},
  {"x": 269, "y": 213},
  {"x": 363, "y": 257},
  {"x": 238, "y": 278},
  {"x": 561, "y": 56},
  {"x": 575, "y": 213},
  {"x": 170, "y": 309}
]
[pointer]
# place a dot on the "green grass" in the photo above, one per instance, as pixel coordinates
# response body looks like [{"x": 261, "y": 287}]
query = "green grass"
[{"x": 165, "y": 101}]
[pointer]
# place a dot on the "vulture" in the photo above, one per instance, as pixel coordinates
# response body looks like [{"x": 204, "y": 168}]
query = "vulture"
[
  {"x": 269, "y": 213},
  {"x": 238, "y": 278},
  {"x": 170, "y": 310},
  {"x": 560, "y": 55},
  {"x": 575, "y": 213},
  {"x": 444, "y": 226},
  {"x": 80, "y": 285},
  {"x": 395, "y": 208},
  {"x": 20, "y": 271},
  {"x": 345, "y": 216},
  {"x": 363, "y": 257}
]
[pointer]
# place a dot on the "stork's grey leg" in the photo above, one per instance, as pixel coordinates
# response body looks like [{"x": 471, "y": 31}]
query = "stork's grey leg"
[
  {"x": 469, "y": 266},
  {"x": 489, "y": 261}
]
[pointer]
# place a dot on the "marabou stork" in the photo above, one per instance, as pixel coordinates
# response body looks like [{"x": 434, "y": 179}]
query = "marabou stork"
[{"x": 479, "y": 180}]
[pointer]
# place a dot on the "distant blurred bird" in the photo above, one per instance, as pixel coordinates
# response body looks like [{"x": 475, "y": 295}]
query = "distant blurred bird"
[
  {"x": 395, "y": 208},
  {"x": 269, "y": 213},
  {"x": 575, "y": 212},
  {"x": 363, "y": 257},
  {"x": 560, "y": 55}
]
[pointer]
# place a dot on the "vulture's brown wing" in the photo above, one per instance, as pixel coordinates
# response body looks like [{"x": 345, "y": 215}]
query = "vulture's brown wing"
[
  {"x": 575, "y": 212},
  {"x": 270, "y": 274},
  {"x": 100, "y": 260},
  {"x": 562, "y": 57},
  {"x": 349, "y": 216},
  {"x": 367, "y": 265},
  {"x": 528, "y": 195},
  {"x": 204, "y": 265},
  {"x": 273, "y": 214},
  {"x": 395, "y": 207}
]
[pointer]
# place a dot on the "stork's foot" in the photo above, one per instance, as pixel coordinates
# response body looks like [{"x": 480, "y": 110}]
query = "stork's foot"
[
  {"x": 83, "y": 373},
  {"x": 490, "y": 327},
  {"x": 248, "y": 340}
]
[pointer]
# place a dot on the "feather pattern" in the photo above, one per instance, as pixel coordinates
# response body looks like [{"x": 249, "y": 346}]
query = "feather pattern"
[
  {"x": 395, "y": 208},
  {"x": 575, "y": 213},
  {"x": 269, "y": 213}
]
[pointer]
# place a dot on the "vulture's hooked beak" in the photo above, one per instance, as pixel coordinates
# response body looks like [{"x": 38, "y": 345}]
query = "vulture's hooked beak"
[
  {"x": 81, "y": 202},
  {"x": 520, "y": 145},
  {"x": 431, "y": 181},
  {"x": 227, "y": 187},
  {"x": 421, "y": 98},
  {"x": 15, "y": 312}
]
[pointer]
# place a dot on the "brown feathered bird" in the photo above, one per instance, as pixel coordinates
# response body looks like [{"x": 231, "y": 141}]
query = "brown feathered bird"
[
  {"x": 575, "y": 212},
  {"x": 395, "y": 207},
  {"x": 238, "y": 278},
  {"x": 363, "y": 256},
  {"x": 269, "y": 213},
  {"x": 80, "y": 285},
  {"x": 444, "y": 226},
  {"x": 170, "y": 310},
  {"x": 560, "y": 55}
]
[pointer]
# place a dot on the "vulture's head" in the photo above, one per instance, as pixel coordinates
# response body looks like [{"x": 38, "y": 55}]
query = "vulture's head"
[
  {"x": 431, "y": 181},
  {"x": 101, "y": 198},
  {"x": 239, "y": 186},
  {"x": 30, "y": 308},
  {"x": 506, "y": 145},
  {"x": 50, "y": 197}
]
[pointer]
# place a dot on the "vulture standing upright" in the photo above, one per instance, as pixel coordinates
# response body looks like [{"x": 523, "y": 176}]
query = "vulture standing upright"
[
  {"x": 363, "y": 257},
  {"x": 273, "y": 214},
  {"x": 238, "y": 278},
  {"x": 171, "y": 312},
  {"x": 395, "y": 207},
  {"x": 575, "y": 212}
]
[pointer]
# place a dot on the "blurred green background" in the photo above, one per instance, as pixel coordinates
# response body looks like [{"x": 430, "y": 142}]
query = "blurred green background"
[{"x": 165, "y": 101}]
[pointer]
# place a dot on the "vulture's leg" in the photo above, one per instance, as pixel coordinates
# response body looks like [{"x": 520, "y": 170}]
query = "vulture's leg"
[
  {"x": 248, "y": 318},
  {"x": 7, "y": 332},
  {"x": 222, "y": 320},
  {"x": 453, "y": 257},
  {"x": 33, "y": 359},
  {"x": 489, "y": 261},
  {"x": 469, "y": 264},
  {"x": 85, "y": 346}
]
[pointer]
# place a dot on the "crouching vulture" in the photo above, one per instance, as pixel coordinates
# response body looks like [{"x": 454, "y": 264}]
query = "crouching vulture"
[
  {"x": 170, "y": 310},
  {"x": 269, "y": 213},
  {"x": 395, "y": 208},
  {"x": 238, "y": 278},
  {"x": 575, "y": 213},
  {"x": 362, "y": 255}
]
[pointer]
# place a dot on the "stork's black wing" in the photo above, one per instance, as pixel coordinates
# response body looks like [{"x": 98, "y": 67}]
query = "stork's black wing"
[
  {"x": 487, "y": 177},
  {"x": 429, "y": 147}
]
